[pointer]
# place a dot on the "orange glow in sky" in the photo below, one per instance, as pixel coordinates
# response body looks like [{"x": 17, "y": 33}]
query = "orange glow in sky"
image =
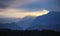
[{"x": 15, "y": 13}]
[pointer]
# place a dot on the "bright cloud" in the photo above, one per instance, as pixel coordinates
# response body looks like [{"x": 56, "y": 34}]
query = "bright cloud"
[{"x": 15, "y": 13}]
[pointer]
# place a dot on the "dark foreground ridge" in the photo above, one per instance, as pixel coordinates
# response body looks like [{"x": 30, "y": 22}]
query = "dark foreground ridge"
[{"x": 8, "y": 32}]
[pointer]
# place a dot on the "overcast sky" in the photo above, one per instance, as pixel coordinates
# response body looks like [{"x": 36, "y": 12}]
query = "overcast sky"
[{"x": 31, "y": 5}]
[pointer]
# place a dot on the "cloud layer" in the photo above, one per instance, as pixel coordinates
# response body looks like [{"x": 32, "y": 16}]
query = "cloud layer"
[
  {"x": 11, "y": 13},
  {"x": 31, "y": 5},
  {"x": 51, "y": 5}
]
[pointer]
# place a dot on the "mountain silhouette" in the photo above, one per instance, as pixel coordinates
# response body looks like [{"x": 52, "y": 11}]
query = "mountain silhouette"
[
  {"x": 11, "y": 26},
  {"x": 25, "y": 22},
  {"x": 16, "y": 23},
  {"x": 50, "y": 21}
]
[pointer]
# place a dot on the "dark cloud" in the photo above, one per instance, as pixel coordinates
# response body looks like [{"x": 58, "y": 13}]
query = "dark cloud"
[
  {"x": 5, "y": 3},
  {"x": 53, "y": 5}
]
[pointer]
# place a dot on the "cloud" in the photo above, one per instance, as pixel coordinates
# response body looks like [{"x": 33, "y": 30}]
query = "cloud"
[
  {"x": 13, "y": 3},
  {"x": 5, "y": 3},
  {"x": 14, "y": 13},
  {"x": 31, "y": 5},
  {"x": 51, "y": 5}
]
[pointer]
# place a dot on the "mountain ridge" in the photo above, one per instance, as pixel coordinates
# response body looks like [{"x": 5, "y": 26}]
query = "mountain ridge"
[{"x": 49, "y": 21}]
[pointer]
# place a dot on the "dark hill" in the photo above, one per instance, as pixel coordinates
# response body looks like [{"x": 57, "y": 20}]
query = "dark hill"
[{"x": 49, "y": 21}]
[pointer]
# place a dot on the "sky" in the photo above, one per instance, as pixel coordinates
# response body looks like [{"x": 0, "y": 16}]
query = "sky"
[
  {"x": 31, "y": 4},
  {"x": 22, "y": 8}
]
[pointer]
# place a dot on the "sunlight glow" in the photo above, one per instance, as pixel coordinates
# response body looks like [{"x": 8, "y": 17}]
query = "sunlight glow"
[{"x": 15, "y": 13}]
